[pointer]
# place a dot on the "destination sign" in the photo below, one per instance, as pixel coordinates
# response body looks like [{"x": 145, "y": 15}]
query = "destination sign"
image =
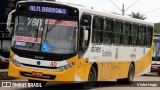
[
  {"x": 27, "y": 39},
  {"x": 62, "y": 22},
  {"x": 45, "y": 9}
]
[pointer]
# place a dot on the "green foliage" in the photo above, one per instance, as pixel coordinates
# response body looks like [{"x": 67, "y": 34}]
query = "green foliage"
[
  {"x": 138, "y": 16},
  {"x": 157, "y": 28}
]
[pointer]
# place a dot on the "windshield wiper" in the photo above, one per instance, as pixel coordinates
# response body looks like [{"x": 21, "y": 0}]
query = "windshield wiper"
[
  {"x": 52, "y": 27},
  {"x": 37, "y": 30}
]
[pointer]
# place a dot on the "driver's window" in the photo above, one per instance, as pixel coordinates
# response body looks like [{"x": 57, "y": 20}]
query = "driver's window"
[{"x": 85, "y": 27}]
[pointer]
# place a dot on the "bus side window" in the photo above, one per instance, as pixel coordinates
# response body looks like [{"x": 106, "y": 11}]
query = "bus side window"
[
  {"x": 141, "y": 35},
  {"x": 118, "y": 32},
  {"x": 134, "y": 34},
  {"x": 127, "y": 28},
  {"x": 97, "y": 32},
  {"x": 149, "y": 33},
  {"x": 108, "y": 32},
  {"x": 85, "y": 26}
]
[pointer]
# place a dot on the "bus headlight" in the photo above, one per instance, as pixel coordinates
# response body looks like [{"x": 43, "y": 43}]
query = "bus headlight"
[
  {"x": 65, "y": 67},
  {"x": 15, "y": 62}
]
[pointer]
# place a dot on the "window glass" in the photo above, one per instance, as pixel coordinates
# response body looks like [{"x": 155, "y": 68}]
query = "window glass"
[
  {"x": 108, "y": 32},
  {"x": 127, "y": 28},
  {"x": 117, "y": 32},
  {"x": 141, "y": 35},
  {"x": 134, "y": 34},
  {"x": 149, "y": 36},
  {"x": 86, "y": 20},
  {"x": 109, "y": 25},
  {"x": 97, "y": 32}
]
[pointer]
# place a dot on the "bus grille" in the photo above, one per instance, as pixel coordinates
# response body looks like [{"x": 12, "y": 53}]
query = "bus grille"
[{"x": 27, "y": 74}]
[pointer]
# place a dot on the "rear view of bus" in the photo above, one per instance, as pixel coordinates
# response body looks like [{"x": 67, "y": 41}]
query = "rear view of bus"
[
  {"x": 155, "y": 67},
  {"x": 44, "y": 45}
]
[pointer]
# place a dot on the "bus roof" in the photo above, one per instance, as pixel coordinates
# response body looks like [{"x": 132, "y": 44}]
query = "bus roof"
[{"x": 83, "y": 9}]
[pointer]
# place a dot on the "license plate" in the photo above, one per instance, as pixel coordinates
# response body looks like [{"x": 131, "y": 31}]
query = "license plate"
[
  {"x": 155, "y": 67},
  {"x": 39, "y": 74}
]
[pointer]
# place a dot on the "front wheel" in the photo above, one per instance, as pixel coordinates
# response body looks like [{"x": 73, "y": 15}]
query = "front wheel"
[
  {"x": 92, "y": 78},
  {"x": 42, "y": 83}
]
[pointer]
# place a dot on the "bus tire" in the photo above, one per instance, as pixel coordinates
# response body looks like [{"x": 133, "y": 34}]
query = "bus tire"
[
  {"x": 43, "y": 83},
  {"x": 92, "y": 78},
  {"x": 129, "y": 79}
]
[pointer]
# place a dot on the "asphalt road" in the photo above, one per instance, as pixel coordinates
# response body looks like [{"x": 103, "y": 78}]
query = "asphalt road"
[{"x": 152, "y": 81}]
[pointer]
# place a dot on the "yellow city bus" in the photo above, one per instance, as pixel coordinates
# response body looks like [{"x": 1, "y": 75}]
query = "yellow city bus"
[{"x": 55, "y": 41}]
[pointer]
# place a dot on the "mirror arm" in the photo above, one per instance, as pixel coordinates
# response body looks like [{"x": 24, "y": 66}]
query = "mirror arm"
[
  {"x": 9, "y": 21},
  {"x": 83, "y": 41}
]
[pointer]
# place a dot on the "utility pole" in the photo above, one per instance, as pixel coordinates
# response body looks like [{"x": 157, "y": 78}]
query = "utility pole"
[{"x": 123, "y": 9}]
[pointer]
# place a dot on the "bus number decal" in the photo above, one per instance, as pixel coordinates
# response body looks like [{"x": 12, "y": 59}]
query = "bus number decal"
[
  {"x": 96, "y": 49},
  {"x": 34, "y": 22},
  {"x": 133, "y": 55}
]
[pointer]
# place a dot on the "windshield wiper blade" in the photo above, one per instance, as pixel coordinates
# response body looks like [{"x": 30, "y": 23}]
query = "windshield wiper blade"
[
  {"x": 37, "y": 30},
  {"x": 50, "y": 28}
]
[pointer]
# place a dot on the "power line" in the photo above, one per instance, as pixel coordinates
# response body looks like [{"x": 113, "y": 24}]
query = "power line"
[
  {"x": 123, "y": 10},
  {"x": 132, "y": 4},
  {"x": 115, "y": 5},
  {"x": 151, "y": 11}
]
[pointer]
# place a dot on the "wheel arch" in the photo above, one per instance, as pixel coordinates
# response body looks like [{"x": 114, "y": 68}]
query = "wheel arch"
[
  {"x": 95, "y": 65},
  {"x": 133, "y": 63}
]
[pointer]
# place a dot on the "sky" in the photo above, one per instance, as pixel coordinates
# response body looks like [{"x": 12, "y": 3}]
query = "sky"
[{"x": 149, "y": 8}]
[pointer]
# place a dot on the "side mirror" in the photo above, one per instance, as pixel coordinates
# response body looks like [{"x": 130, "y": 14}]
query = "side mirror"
[
  {"x": 85, "y": 35},
  {"x": 9, "y": 22}
]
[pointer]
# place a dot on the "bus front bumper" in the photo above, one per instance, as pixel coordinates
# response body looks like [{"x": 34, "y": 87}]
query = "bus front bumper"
[{"x": 42, "y": 75}]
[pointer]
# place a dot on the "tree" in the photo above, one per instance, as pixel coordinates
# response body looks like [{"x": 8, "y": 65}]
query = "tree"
[
  {"x": 138, "y": 16},
  {"x": 157, "y": 28}
]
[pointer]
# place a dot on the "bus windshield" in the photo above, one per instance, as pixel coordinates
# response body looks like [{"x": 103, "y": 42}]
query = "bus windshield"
[{"x": 45, "y": 35}]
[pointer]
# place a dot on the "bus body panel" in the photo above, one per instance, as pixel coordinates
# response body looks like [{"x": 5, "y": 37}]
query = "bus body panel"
[
  {"x": 113, "y": 61},
  {"x": 67, "y": 75}
]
